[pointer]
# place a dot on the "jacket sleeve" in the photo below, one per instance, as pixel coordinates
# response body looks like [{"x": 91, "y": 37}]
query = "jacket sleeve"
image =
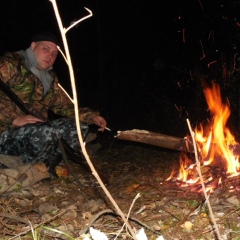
[
  {"x": 63, "y": 106},
  {"x": 8, "y": 110}
]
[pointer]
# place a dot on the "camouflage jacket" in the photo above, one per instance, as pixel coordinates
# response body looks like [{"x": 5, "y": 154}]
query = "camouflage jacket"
[{"x": 30, "y": 90}]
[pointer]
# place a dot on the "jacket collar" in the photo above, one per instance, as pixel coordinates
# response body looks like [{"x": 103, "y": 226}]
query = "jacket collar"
[{"x": 31, "y": 64}]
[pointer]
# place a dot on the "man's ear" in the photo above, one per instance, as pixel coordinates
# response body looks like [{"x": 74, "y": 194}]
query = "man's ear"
[{"x": 33, "y": 44}]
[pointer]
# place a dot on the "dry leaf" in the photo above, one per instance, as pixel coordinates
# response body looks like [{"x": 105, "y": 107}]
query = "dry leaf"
[{"x": 187, "y": 225}]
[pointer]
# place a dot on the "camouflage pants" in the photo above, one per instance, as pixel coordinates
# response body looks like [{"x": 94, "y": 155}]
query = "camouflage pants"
[{"x": 39, "y": 142}]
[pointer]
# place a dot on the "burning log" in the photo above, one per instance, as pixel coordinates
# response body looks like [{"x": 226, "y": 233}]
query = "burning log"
[
  {"x": 165, "y": 141},
  {"x": 156, "y": 139}
]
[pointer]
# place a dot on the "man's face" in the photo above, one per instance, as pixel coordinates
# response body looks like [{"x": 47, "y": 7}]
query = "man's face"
[{"x": 45, "y": 53}]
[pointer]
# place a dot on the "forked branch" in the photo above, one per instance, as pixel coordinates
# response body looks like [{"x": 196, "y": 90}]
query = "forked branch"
[{"x": 76, "y": 108}]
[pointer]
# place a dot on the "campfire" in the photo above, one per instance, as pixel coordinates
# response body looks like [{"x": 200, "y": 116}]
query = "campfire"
[
  {"x": 218, "y": 151},
  {"x": 216, "y": 148}
]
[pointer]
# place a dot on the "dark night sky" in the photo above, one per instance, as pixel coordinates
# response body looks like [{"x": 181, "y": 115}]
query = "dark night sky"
[{"x": 129, "y": 58}]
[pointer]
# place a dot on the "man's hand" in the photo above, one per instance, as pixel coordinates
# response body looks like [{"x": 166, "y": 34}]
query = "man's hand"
[
  {"x": 101, "y": 122},
  {"x": 27, "y": 119}
]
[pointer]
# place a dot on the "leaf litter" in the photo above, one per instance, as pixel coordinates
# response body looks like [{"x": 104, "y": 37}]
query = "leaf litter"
[{"x": 163, "y": 210}]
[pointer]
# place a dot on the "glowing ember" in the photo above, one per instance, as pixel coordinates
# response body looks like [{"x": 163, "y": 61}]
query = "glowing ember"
[{"x": 216, "y": 156}]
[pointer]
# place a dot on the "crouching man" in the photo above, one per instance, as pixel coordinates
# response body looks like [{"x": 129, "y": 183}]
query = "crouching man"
[{"x": 29, "y": 74}]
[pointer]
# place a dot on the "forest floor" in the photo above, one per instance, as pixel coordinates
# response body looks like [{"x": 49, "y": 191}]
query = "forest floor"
[{"x": 62, "y": 209}]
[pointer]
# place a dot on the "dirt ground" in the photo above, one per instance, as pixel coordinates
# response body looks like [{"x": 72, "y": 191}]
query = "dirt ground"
[{"x": 66, "y": 208}]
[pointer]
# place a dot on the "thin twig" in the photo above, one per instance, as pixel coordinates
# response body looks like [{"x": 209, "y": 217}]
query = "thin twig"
[
  {"x": 216, "y": 229},
  {"x": 80, "y": 20},
  {"x": 110, "y": 211},
  {"x": 60, "y": 50},
  {"x": 130, "y": 209},
  {"x": 65, "y": 92}
]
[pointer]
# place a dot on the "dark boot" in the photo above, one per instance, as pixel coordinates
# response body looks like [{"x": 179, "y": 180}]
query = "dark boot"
[{"x": 51, "y": 165}]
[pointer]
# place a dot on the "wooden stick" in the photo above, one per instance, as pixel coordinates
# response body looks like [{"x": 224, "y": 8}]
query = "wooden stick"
[{"x": 156, "y": 139}]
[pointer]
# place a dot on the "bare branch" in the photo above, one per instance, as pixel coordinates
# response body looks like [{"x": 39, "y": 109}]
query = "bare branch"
[
  {"x": 75, "y": 102},
  {"x": 65, "y": 92},
  {"x": 80, "y": 20}
]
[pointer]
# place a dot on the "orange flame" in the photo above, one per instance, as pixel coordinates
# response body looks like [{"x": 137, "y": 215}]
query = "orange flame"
[
  {"x": 220, "y": 136},
  {"x": 213, "y": 143}
]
